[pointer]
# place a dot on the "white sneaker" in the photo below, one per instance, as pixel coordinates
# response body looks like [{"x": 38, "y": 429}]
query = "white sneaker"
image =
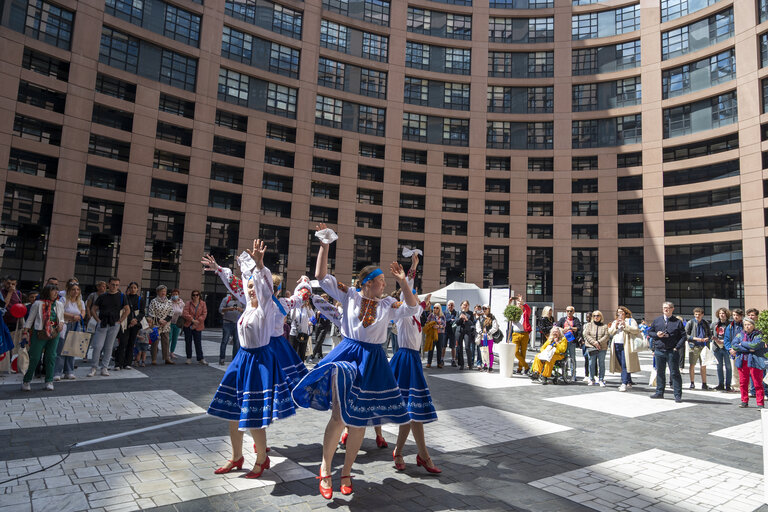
[
  {"x": 602, "y": 384},
  {"x": 116, "y": 369},
  {"x": 128, "y": 367},
  {"x": 56, "y": 378},
  {"x": 92, "y": 372},
  {"x": 25, "y": 386},
  {"x": 71, "y": 376},
  {"x": 623, "y": 387},
  {"x": 203, "y": 362},
  {"x": 104, "y": 372},
  {"x": 189, "y": 361},
  {"x": 586, "y": 379},
  {"x": 590, "y": 383},
  {"x": 48, "y": 386},
  {"x": 629, "y": 387}
]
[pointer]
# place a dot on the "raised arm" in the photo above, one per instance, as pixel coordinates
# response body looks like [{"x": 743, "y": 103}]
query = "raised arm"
[
  {"x": 233, "y": 284},
  {"x": 399, "y": 274},
  {"x": 321, "y": 267}
]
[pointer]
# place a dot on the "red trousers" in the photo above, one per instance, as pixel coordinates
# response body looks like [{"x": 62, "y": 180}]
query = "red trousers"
[{"x": 745, "y": 372}]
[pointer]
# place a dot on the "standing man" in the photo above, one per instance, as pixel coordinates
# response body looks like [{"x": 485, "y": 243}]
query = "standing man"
[
  {"x": 230, "y": 310},
  {"x": 161, "y": 312},
  {"x": 668, "y": 336},
  {"x": 450, "y": 335},
  {"x": 101, "y": 287},
  {"x": 323, "y": 329},
  {"x": 521, "y": 332},
  {"x": 11, "y": 296},
  {"x": 109, "y": 310},
  {"x": 697, "y": 333},
  {"x": 570, "y": 322}
]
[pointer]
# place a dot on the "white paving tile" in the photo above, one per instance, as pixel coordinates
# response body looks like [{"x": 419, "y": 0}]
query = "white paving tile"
[
  {"x": 652, "y": 480},
  {"x": 710, "y": 394},
  {"x": 43, "y": 411},
  {"x": 629, "y": 405},
  {"x": 458, "y": 429},
  {"x": 80, "y": 372},
  {"x": 751, "y": 432},
  {"x": 133, "y": 489},
  {"x": 483, "y": 380}
]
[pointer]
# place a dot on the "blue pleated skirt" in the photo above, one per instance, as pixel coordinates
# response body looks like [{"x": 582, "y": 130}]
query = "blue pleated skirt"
[
  {"x": 406, "y": 366},
  {"x": 253, "y": 391},
  {"x": 367, "y": 392},
  {"x": 288, "y": 360}
]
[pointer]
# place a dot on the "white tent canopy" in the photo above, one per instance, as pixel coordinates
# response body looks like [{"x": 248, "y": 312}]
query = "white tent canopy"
[{"x": 441, "y": 295}]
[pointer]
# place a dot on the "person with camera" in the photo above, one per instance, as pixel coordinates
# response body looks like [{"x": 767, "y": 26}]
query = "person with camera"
[
  {"x": 486, "y": 328},
  {"x": 464, "y": 327},
  {"x": 667, "y": 333}
]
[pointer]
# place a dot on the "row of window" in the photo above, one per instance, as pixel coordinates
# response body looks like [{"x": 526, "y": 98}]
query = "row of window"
[{"x": 168, "y": 20}]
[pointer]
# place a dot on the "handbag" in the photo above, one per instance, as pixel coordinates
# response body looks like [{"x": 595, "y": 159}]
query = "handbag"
[
  {"x": 498, "y": 336},
  {"x": 77, "y": 342},
  {"x": 640, "y": 344},
  {"x": 180, "y": 322},
  {"x": 302, "y": 337},
  {"x": 547, "y": 354}
]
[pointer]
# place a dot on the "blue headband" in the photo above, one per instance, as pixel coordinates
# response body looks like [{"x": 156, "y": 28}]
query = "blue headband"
[{"x": 373, "y": 275}]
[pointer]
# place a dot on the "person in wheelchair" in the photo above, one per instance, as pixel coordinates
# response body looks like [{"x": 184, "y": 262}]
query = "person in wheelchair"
[{"x": 551, "y": 352}]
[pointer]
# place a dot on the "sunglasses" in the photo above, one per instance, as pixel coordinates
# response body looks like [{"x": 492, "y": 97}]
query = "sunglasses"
[{"x": 195, "y": 294}]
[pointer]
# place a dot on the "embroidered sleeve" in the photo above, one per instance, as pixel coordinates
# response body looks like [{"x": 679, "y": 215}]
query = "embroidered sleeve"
[
  {"x": 396, "y": 305},
  {"x": 399, "y": 309},
  {"x": 234, "y": 284},
  {"x": 412, "y": 274},
  {"x": 333, "y": 288}
]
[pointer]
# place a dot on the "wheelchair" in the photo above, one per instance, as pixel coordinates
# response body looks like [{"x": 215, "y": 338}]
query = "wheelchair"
[{"x": 562, "y": 371}]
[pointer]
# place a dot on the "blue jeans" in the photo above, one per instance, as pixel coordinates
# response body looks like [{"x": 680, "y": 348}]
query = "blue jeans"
[
  {"x": 228, "y": 330},
  {"x": 572, "y": 355},
  {"x": 393, "y": 339},
  {"x": 597, "y": 365},
  {"x": 438, "y": 345},
  {"x": 64, "y": 364},
  {"x": 723, "y": 360},
  {"x": 663, "y": 359},
  {"x": 626, "y": 378}
]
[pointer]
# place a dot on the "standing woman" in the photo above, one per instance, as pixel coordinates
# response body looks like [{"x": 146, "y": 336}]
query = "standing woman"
[
  {"x": 546, "y": 323},
  {"x": 721, "y": 353},
  {"x": 485, "y": 327},
  {"x": 177, "y": 303},
  {"x": 253, "y": 392},
  {"x": 300, "y": 327},
  {"x": 450, "y": 332},
  {"x": 194, "y": 315},
  {"x": 464, "y": 340},
  {"x": 128, "y": 337},
  {"x": 624, "y": 359},
  {"x": 45, "y": 321},
  {"x": 437, "y": 316},
  {"x": 406, "y": 366},
  {"x": 73, "y": 313},
  {"x": 596, "y": 338},
  {"x": 355, "y": 378}
]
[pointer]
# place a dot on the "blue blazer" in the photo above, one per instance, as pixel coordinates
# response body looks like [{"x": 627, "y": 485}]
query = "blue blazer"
[
  {"x": 752, "y": 346},
  {"x": 674, "y": 327}
]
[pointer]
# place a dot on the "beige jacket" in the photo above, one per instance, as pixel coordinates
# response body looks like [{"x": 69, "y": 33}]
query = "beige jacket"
[
  {"x": 596, "y": 336},
  {"x": 631, "y": 331}
]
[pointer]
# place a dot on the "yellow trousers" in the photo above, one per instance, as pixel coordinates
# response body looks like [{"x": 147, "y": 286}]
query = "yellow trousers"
[{"x": 520, "y": 339}]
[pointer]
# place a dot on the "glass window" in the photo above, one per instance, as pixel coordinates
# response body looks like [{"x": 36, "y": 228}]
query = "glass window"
[
  {"x": 540, "y": 135},
  {"x": 497, "y": 163},
  {"x": 541, "y": 64},
  {"x": 178, "y": 70},
  {"x": 375, "y": 47},
  {"x": 417, "y": 55},
  {"x": 236, "y": 45},
  {"x": 175, "y": 134},
  {"x": 231, "y": 173},
  {"x": 328, "y": 111},
  {"x": 584, "y": 26},
  {"x": 584, "y": 163},
  {"x": 37, "y": 130},
  {"x": 34, "y": 164},
  {"x": 674, "y": 42},
  {"x": 181, "y": 25},
  {"x": 45, "y": 64},
  {"x": 459, "y": 26},
  {"x": 373, "y": 83},
  {"x": 584, "y": 231},
  {"x": 541, "y": 30},
  {"x": 538, "y": 285},
  {"x": 451, "y": 182},
  {"x": 584, "y": 97},
  {"x": 115, "y": 87},
  {"x": 500, "y": 29},
  {"x": 628, "y": 19},
  {"x": 416, "y": 91},
  {"x": 703, "y": 225},
  {"x": 333, "y": 36},
  {"x": 456, "y": 132},
  {"x": 414, "y": 156},
  {"x": 280, "y": 132},
  {"x": 369, "y": 150},
  {"x": 119, "y": 50},
  {"x": 541, "y": 99},
  {"x": 326, "y": 166},
  {"x": 456, "y": 161},
  {"x": 419, "y": 20},
  {"x": 281, "y": 100},
  {"x": 340, "y": 6},
  {"x": 370, "y": 173},
  {"x": 131, "y": 11},
  {"x": 101, "y": 177},
  {"x": 540, "y": 209},
  {"x": 41, "y": 97},
  {"x": 584, "y": 279},
  {"x": 415, "y": 127},
  {"x": 330, "y": 73},
  {"x": 724, "y": 109},
  {"x": 284, "y": 60},
  {"x": 171, "y": 162},
  {"x": 376, "y": 11},
  {"x": 107, "y": 147},
  {"x": 226, "y": 146},
  {"x": 458, "y": 61},
  {"x": 233, "y": 86},
  {"x": 49, "y": 23},
  {"x": 584, "y": 209},
  {"x": 286, "y": 21},
  {"x": 629, "y": 207},
  {"x": 114, "y": 118},
  {"x": 371, "y": 120},
  {"x": 177, "y": 106},
  {"x": 701, "y": 148},
  {"x": 279, "y": 157},
  {"x": 456, "y": 96},
  {"x": 628, "y": 91}
]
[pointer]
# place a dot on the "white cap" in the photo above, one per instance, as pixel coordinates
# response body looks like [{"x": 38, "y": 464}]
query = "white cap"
[{"x": 486, "y": 306}]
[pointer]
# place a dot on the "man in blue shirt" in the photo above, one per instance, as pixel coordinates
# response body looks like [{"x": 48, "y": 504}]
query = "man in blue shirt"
[{"x": 667, "y": 333}]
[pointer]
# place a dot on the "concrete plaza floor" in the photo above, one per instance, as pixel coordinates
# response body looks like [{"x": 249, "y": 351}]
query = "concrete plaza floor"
[{"x": 503, "y": 444}]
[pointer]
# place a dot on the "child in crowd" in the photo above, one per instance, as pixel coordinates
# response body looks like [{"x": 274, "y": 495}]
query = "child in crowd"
[{"x": 144, "y": 339}]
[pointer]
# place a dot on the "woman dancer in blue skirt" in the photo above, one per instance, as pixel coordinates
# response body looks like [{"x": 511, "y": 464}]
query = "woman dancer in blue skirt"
[
  {"x": 406, "y": 365},
  {"x": 253, "y": 391},
  {"x": 355, "y": 379}
]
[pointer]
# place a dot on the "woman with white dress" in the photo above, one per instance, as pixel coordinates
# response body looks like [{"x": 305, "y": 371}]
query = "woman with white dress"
[
  {"x": 406, "y": 366},
  {"x": 355, "y": 379},
  {"x": 253, "y": 392},
  {"x": 74, "y": 312}
]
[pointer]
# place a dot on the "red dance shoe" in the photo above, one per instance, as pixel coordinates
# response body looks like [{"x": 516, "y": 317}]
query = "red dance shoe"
[
  {"x": 264, "y": 465},
  {"x": 346, "y": 490},
  {"x": 422, "y": 462},
  {"x": 256, "y": 451},
  {"x": 325, "y": 492},
  {"x": 234, "y": 464},
  {"x": 343, "y": 441},
  {"x": 400, "y": 466},
  {"x": 380, "y": 442}
]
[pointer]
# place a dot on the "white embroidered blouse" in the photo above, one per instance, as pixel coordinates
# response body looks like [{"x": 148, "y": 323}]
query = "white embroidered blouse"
[{"x": 364, "y": 319}]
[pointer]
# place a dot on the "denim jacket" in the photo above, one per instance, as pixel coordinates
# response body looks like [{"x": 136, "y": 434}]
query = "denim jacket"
[{"x": 750, "y": 345}]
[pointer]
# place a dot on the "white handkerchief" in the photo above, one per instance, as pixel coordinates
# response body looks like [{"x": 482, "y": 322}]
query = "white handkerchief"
[
  {"x": 246, "y": 265},
  {"x": 327, "y": 235},
  {"x": 407, "y": 253}
]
